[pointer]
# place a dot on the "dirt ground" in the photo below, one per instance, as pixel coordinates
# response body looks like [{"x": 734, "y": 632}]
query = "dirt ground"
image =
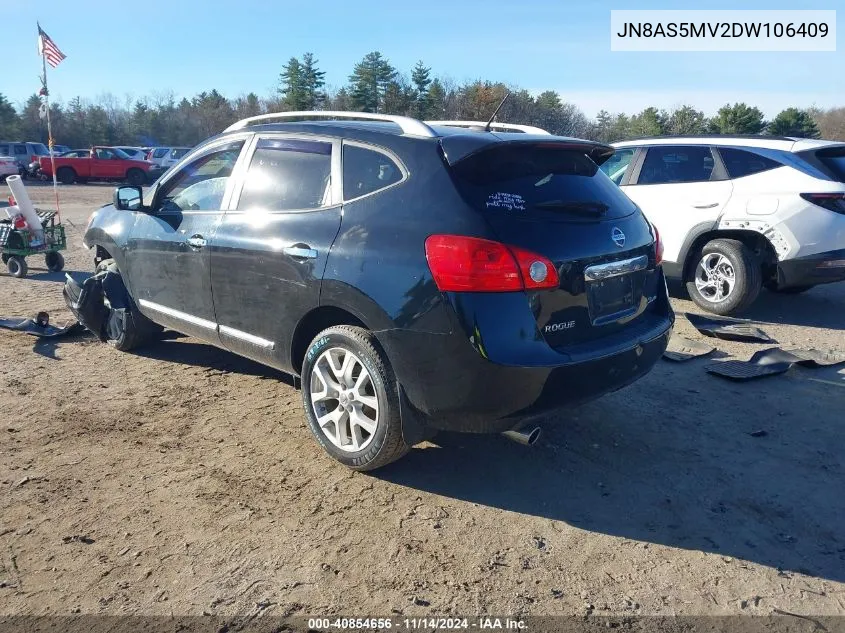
[{"x": 183, "y": 480}]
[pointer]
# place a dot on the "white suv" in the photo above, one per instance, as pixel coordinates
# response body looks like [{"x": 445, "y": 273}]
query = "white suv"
[{"x": 739, "y": 212}]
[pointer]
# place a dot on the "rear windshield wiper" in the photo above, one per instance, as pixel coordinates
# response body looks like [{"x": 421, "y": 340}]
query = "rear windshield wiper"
[{"x": 585, "y": 208}]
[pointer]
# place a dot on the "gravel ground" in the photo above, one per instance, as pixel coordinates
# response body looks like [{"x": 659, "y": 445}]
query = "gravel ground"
[{"x": 183, "y": 479}]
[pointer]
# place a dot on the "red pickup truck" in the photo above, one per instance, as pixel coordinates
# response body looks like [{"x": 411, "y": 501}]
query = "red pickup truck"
[{"x": 98, "y": 163}]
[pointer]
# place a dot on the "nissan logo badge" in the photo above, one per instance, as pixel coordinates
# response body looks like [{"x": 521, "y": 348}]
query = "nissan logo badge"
[{"x": 617, "y": 236}]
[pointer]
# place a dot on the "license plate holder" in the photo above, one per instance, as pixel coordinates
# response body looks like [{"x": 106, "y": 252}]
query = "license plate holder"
[{"x": 610, "y": 299}]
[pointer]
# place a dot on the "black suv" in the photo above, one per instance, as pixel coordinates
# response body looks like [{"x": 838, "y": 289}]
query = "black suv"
[{"x": 416, "y": 276}]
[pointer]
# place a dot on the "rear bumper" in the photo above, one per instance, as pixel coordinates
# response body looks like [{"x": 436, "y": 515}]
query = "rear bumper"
[
  {"x": 457, "y": 389},
  {"x": 812, "y": 270}
]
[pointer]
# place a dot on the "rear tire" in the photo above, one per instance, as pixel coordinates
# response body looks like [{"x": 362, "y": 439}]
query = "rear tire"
[
  {"x": 726, "y": 278},
  {"x": 16, "y": 265},
  {"x": 66, "y": 176},
  {"x": 338, "y": 398},
  {"x": 54, "y": 261},
  {"x": 136, "y": 177}
]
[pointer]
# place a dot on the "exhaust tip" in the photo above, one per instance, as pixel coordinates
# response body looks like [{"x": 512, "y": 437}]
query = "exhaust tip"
[{"x": 526, "y": 438}]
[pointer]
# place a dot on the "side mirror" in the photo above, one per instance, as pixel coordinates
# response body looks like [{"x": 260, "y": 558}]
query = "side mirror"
[{"x": 128, "y": 198}]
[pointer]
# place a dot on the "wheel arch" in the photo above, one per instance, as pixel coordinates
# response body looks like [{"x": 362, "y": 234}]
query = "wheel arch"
[
  {"x": 756, "y": 242},
  {"x": 313, "y": 323}
]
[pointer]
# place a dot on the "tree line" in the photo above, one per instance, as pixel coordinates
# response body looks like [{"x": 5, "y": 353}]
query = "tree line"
[{"x": 375, "y": 85}]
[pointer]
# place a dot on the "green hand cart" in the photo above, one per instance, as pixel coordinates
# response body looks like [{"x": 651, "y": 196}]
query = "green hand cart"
[{"x": 17, "y": 245}]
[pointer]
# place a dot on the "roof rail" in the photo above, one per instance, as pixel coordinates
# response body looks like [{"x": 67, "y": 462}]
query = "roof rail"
[
  {"x": 504, "y": 127},
  {"x": 407, "y": 124}
]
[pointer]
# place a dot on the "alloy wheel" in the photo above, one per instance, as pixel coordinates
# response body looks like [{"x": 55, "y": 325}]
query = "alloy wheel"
[
  {"x": 715, "y": 277},
  {"x": 344, "y": 399}
]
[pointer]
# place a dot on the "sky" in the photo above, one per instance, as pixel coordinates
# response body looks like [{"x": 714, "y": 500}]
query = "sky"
[{"x": 136, "y": 49}]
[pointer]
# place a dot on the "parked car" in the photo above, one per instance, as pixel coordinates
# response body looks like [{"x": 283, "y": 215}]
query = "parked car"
[
  {"x": 737, "y": 213},
  {"x": 8, "y": 167},
  {"x": 414, "y": 277},
  {"x": 101, "y": 163},
  {"x": 167, "y": 156},
  {"x": 23, "y": 152},
  {"x": 135, "y": 153}
]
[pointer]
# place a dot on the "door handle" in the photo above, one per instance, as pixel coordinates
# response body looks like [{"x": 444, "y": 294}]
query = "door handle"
[
  {"x": 196, "y": 241},
  {"x": 300, "y": 252},
  {"x": 704, "y": 205}
]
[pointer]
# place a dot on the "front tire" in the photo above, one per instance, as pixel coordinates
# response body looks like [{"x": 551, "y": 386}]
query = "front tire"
[
  {"x": 726, "y": 279},
  {"x": 126, "y": 329},
  {"x": 351, "y": 398}
]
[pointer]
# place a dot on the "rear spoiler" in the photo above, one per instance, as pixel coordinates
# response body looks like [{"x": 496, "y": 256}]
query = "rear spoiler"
[{"x": 461, "y": 146}]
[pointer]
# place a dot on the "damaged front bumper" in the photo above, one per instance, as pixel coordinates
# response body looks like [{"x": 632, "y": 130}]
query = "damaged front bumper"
[{"x": 101, "y": 304}]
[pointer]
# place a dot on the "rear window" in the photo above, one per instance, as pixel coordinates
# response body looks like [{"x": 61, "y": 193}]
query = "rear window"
[
  {"x": 740, "y": 162},
  {"x": 834, "y": 160},
  {"x": 547, "y": 182}
]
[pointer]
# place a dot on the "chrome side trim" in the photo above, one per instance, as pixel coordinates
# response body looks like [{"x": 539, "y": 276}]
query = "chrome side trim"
[
  {"x": 176, "y": 314},
  {"x": 614, "y": 269},
  {"x": 245, "y": 336}
]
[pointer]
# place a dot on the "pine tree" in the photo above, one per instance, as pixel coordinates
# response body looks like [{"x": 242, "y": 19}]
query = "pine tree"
[
  {"x": 292, "y": 85},
  {"x": 436, "y": 101},
  {"x": 738, "y": 118},
  {"x": 9, "y": 123},
  {"x": 794, "y": 122},
  {"x": 421, "y": 82},
  {"x": 313, "y": 80},
  {"x": 369, "y": 81}
]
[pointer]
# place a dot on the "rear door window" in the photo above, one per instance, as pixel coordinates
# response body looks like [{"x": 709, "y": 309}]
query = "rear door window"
[
  {"x": 20, "y": 149},
  {"x": 539, "y": 182},
  {"x": 178, "y": 153},
  {"x": 367, "y": 170},
  {"x": 674, "y": 164},
  {"x": 740, "y": 162},
  {"x": 288, "y": 175},
  {"x": 616, "y": 166},
  {"x": 161, "y": 152}
]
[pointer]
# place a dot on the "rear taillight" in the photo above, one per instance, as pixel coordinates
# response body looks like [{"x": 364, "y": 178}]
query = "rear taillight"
[
  {"x": 658, "y": 247},
  {"x": 831, "y": 201},
  {"x": 470, "y": 264},
  {"x": 149, "y": 155},
  {"x": 20, "y": 223}
]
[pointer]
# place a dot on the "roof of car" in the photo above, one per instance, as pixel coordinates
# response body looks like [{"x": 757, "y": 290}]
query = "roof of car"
[{"x": 785, "y": 143}]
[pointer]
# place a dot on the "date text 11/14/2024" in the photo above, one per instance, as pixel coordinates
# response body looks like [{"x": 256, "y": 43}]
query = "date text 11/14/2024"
[{"x": 418, "y": 624}]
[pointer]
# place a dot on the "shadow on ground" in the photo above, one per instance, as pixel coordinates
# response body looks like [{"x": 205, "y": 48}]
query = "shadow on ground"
[
  {"x": 175, "y": 348},
  {"x": 822, "y": 306},
  {"x": 693, "y": 478}
]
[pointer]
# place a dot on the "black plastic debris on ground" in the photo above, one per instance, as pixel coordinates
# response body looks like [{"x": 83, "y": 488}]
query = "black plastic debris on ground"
[
  {"x": 681, "y": 349},
  {"x": 769, "y": 362},
  {"x": 728, "y": 329},
  {"x": 39, "y": 326}
]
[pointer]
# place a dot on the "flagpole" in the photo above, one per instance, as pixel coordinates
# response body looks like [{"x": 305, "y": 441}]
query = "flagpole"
[{"x": 49, "y": 127}]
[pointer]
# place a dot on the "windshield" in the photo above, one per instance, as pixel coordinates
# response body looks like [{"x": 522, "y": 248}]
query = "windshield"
[
  {"x": 121, "y": 154},
  {"x": 540, "y": 183}
]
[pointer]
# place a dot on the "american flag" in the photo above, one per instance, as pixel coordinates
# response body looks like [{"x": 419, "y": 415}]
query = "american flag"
[{"x": 48, "y": 49}]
